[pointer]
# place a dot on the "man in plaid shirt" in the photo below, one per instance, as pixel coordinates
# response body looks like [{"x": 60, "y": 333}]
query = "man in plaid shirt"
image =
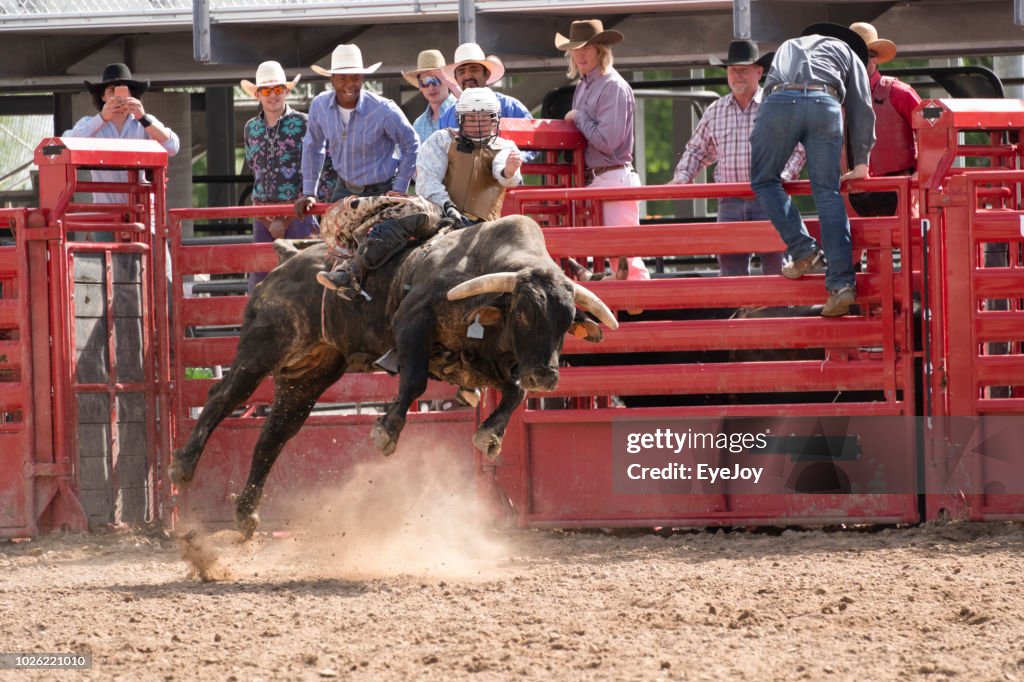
[{"x": 723, "y": 137}]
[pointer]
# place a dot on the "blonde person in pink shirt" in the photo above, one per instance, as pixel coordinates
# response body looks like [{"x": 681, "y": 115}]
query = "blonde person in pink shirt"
[{"x": 602, "y": 109}]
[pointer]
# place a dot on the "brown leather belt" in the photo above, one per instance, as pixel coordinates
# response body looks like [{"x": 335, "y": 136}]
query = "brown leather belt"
[
  {"x": 804, "y": 87},
  {"x": 601, "y": 170}
]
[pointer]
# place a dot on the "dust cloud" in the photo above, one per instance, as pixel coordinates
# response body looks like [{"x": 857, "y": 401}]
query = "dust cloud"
[{"x": 416, "y": 513}]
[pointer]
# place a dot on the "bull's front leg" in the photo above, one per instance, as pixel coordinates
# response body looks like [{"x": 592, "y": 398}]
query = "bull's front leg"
[
  {"x": 412, "y": 344},
  {"x": 488, "y": 437}
]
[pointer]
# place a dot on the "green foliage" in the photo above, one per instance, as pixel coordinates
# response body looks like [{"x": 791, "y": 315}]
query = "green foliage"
[{"x": 198, "y": 373}]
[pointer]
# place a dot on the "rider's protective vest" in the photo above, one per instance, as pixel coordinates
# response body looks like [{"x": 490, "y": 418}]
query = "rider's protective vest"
[{"x": 470, "y": 181}]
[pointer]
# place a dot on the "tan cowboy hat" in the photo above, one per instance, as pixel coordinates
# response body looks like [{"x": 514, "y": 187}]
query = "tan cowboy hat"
[
  {"x": 268, "y": 74},
  {"x": 471, "y": 53},
  {"x": 885, "y": 49},
  {"x": 585, "y": 32},
  {"x": 346, "y": 59},
  {"x": 428, "y": 60}
]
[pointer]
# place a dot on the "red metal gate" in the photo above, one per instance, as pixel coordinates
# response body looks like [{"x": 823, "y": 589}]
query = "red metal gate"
[{"x": 972, "y": 179}]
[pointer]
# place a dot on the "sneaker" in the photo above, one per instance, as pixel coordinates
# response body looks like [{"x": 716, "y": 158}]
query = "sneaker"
[
  {"x": 796, "y": 269},
  {"x": 839, "y": 302}
]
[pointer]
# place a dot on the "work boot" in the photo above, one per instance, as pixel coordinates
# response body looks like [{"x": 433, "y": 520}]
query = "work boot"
[
  {"x": 344, "y": 279},
  {"x": 839, "y": 302},
  {"x": 798, "y": 268}
]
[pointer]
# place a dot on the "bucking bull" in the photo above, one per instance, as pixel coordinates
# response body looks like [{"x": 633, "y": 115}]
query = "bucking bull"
[{"x": 429, "y": 304}]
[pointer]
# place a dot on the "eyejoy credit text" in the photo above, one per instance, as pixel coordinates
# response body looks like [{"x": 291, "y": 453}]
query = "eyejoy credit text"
[{"x": 677, "y": 441}]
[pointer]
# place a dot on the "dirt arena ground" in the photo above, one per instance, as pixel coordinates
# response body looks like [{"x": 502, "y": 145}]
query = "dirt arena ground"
[{"x": 364, "y": 589}]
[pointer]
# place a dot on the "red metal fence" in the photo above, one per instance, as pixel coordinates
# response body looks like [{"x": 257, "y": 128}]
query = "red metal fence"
[{"x": 680, "y": 362}]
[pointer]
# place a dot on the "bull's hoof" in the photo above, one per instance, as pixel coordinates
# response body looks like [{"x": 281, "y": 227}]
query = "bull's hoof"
[
  {"x": 247, "y": 523},
  {"x": 488, "y": 442},
  {"x": 383, "y": 440},
  {"x": 179, "y": 473}
]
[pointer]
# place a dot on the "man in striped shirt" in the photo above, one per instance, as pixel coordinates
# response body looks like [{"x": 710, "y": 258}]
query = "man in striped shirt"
[
  {"x": 723, "y": 137},
  {"x": 360, "y": 130}
]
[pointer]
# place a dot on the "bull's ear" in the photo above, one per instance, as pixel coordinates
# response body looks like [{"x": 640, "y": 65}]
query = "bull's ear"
[
  {"x": 586, "y": 329},
  {"x": 489, "y": 316}
]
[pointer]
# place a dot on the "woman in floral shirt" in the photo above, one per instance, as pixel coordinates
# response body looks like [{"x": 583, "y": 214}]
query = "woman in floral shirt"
[{"x": 273, "y": 150}]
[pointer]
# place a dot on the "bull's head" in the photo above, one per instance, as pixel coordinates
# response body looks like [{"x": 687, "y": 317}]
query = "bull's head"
[{"x": 541, "y": 310}]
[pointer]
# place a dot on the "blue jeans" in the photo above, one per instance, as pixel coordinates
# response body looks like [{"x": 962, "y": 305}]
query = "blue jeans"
[
  {"x": 816, "y": 120},
  {"x": 297, "y": 229},
  {"x": 736, "y": 210}
]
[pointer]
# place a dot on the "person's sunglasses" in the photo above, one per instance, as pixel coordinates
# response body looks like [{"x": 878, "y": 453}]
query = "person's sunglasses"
[
  {"x": 267, "y": 90},
  {"x": 428, "y": 81}
]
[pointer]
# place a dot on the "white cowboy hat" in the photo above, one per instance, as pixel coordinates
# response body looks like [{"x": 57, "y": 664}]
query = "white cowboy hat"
[
  {"x": 471, "y": 53},
  {"x": 885, "y": 49},
  {"x": 428, "y": 60},
  {"x": 346, "y": 59},
  {"x": 268, "y": 74}
]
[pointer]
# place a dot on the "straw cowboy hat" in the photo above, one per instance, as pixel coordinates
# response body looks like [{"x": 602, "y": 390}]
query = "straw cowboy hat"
[
  {"x": 848, "y": 36},
  {"x": 585, "y": 32},
  {"x": 268, "y": 74},
  {"x": 428, "y": 60},
  {"x": 346, "y": 59},
  {"x": 471, "y": 53},
  {"x": 117, "y": 74},
  {"x": 744, "y": 53},
  {"x": 885, "y": 49}
]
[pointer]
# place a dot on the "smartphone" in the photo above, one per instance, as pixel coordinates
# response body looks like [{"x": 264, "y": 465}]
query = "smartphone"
[{"x": 122, "y": 91}]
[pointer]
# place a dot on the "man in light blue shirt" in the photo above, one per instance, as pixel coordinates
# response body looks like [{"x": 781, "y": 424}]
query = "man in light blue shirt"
[
  {"x": 372, "y": 146},
  {"x": 427, "y": 78},
  {"x": 118, "y": 97},
  {"x": 473, "y": 69}
]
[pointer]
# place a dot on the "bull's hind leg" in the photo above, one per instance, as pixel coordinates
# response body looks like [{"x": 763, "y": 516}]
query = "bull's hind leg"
[
  {"x": 294, "y": 398},
  {"x": 488, "y": 437}
]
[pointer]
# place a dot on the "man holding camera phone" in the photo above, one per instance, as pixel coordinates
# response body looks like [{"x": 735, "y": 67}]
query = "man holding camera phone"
[{"x": 118, "y": 98}]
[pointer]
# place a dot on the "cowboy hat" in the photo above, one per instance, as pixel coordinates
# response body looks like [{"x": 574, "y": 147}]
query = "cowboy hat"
[
  {"x": 743, "y": 53},
  {"x": 268, "y": 74},
  {"x": 885, "y": 49},
  {"x": 585, "y": 32},
  {"x": 848, "y": 36},
  {"x": 118, "y": 74},
  {"x": 428, "y": 60},
  {"x": 346, "y": 59},
  {"x": 471, "y": 53}
]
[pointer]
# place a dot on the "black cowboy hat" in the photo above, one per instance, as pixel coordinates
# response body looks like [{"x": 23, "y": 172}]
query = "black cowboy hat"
[
  {"x": 118, "y": 74},
  {"x": 743, "y": 53},
  {"x": 847, "y": 35}
]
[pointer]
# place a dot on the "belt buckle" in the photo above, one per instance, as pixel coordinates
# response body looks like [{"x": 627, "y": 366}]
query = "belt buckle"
[{"x": 355, "y": 189}]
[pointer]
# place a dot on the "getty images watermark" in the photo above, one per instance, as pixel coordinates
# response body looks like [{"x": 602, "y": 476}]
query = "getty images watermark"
[
  {"x": 867, "y": 455},
  {"x": 666, "y": 440}
]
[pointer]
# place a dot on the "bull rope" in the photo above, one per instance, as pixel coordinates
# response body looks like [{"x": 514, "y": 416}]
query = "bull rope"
[{"x": 323, "y": 304}]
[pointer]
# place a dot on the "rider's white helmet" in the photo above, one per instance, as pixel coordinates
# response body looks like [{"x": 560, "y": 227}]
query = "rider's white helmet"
[{"x": 479, "y": 101}]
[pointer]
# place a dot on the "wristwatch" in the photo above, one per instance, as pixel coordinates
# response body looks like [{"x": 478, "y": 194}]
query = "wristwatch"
[{"x": 146, "y": 121}]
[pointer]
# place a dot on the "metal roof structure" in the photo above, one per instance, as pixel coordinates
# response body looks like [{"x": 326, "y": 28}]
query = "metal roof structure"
[{"x": 51, "y": 45}]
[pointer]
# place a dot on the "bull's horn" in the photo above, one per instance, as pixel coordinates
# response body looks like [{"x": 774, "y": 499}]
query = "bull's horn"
[
  {"x": 587, "y": 300},
  {"x": 496, "y": 282}
]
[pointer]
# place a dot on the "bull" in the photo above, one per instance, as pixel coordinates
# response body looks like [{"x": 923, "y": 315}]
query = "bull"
[{"x": 480, "y": 307}]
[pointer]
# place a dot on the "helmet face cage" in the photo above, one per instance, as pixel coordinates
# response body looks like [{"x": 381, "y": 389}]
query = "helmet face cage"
[{"x": 478, "y": 113}]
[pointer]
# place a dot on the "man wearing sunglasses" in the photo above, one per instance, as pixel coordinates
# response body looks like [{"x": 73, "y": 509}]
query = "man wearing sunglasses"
[
  {"x": 273, "y": 150},
  {"x": 426, "y": 77}
]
